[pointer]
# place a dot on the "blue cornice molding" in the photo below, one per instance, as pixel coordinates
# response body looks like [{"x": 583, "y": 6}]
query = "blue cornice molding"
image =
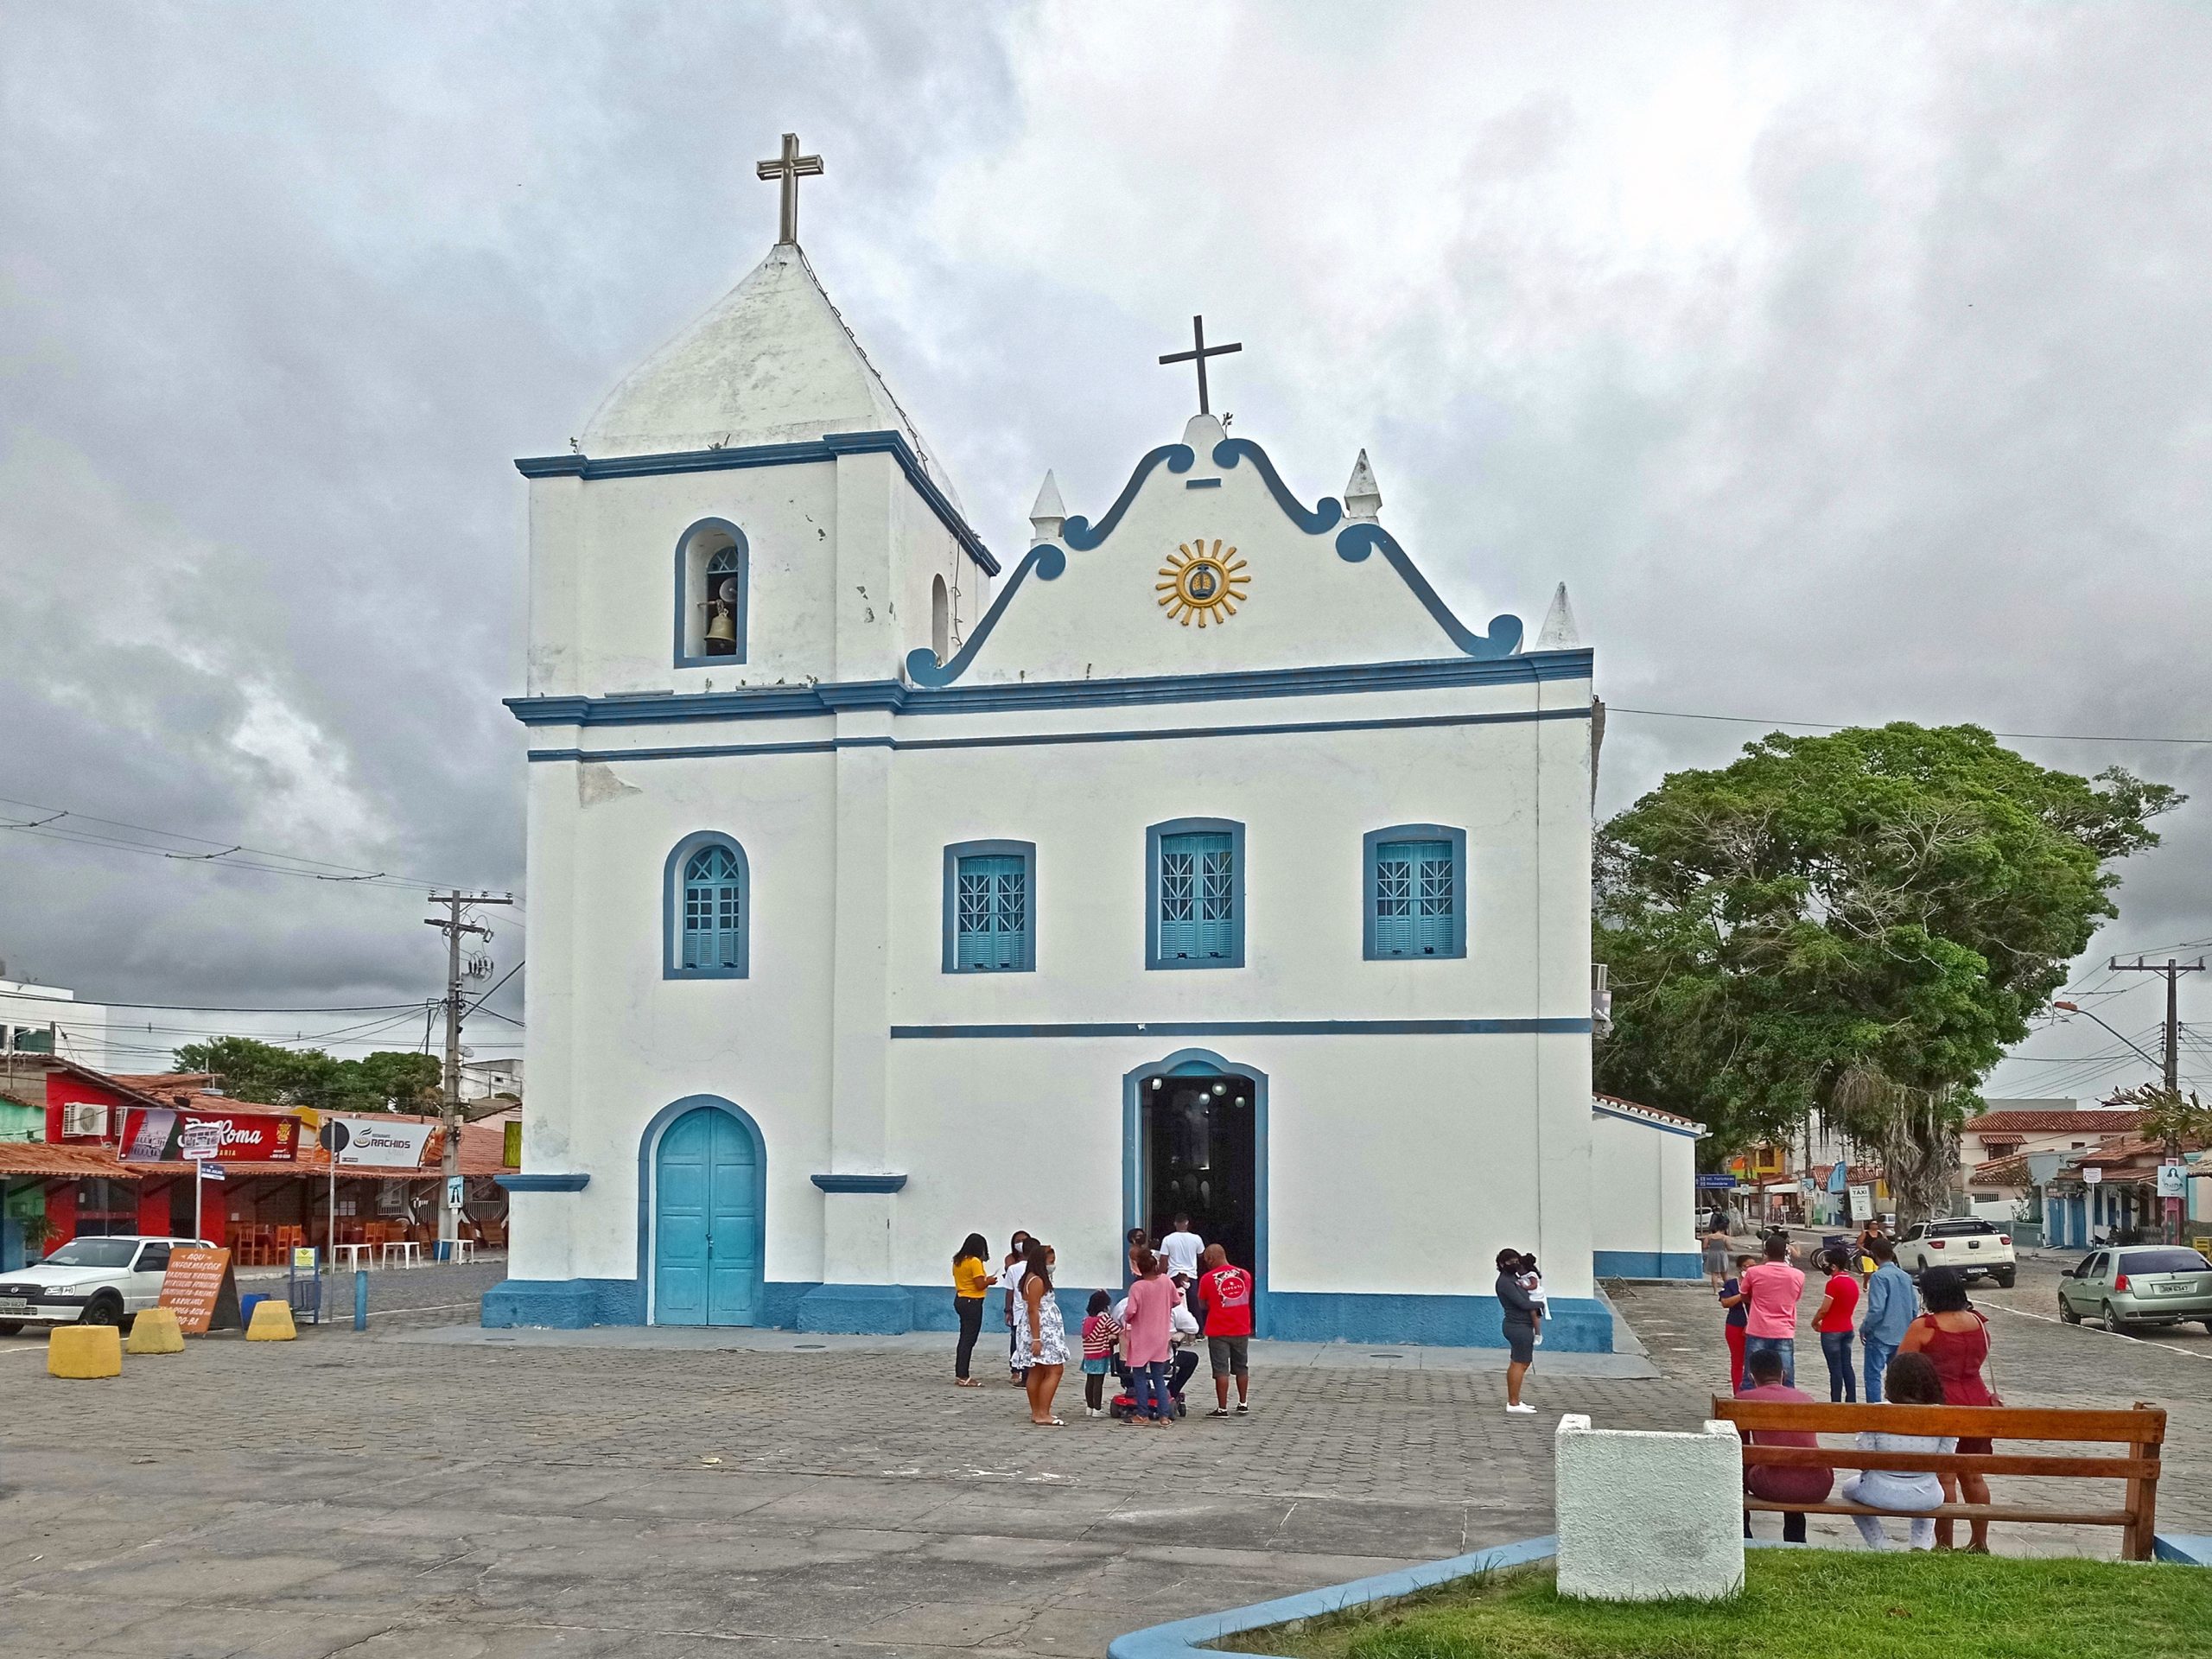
[
  {"x": 1078, "y": 533},
  {"x": 799, "y": 702},
  {"x": 921, "y": 665},
  {"x": 826, "y": 447},
  {"x": 1324, "y": 514},
  {"x": 1356, "y": 541},
  {"x": 859, "y": 1183},
  {"x": 515, "y": 1181}
]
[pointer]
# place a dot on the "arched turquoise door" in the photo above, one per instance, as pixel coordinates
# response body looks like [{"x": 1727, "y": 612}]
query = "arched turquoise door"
[{"x": 707, "y": 1212}]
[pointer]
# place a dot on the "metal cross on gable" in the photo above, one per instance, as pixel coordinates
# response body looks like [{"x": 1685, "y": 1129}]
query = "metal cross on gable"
[
  {"x": 1199, "y": 352},
  {"x": 790, "y": 167}
]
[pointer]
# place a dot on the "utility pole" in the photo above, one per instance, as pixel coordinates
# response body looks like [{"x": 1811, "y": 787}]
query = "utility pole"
[
  {"x": 2171, "y": 973},
  {"x": 452, "y": 924}
]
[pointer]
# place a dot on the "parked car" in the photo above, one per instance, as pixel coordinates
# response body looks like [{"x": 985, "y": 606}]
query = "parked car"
[
  {"x": 88, "y": 1281},
  {"x": 1974, "y": 1247},
  {"x": 2145, "y": 1284}
]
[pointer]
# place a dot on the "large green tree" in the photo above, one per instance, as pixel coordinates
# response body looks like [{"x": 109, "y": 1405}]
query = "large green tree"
[
  {"x": 1861, "y": 922},
  {"x": 389, "y": 1080}
]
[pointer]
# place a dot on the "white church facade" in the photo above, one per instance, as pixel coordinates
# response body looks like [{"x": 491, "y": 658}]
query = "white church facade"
[{"x": 1198, "y": 859}]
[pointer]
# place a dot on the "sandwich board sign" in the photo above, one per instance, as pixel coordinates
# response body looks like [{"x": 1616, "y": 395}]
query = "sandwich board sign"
[{"x": 199, "y": 1288}]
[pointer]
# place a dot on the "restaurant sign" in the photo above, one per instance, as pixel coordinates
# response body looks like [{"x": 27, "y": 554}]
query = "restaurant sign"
[
  {"x": 156, "y": 1135},
  {"x": 371, "y": 1143}
]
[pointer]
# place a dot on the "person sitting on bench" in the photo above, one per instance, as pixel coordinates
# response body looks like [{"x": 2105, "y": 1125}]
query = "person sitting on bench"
[
  {"x": 1781, "y": 1485},
  {"x": 1910, "y": 1380}
]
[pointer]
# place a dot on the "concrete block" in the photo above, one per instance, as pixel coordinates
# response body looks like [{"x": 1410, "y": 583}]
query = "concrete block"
[
  {"x": 1645, "y": 1516},
  {"x": 155, "y": 1331},
  {"x": 85, "y": 1351},
  {"x": 272, "y": 1322}
]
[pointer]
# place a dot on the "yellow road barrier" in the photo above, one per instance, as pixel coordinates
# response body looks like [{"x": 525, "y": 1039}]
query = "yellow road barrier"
[
  {"x": 272, "y": 1322},
  {"x": 155, "y": 1331},
  {"x": 85, "y": 1351}
]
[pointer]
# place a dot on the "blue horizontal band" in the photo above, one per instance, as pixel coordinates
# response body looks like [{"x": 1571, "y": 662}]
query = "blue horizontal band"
[
  {"x": 517, "y": 1182},
  {"x": 859, "y": 1183},
  {"x": 1567, "y": 1026},
  {"x": 828, "y": 447},
  {"x": 789, "y": 702},
  {"x": 1033, "y": 739}
]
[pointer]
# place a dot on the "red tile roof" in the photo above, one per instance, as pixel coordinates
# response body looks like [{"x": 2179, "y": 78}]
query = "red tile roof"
[
  {"x": 189, "y": 1090},
  {"x": 2053, "y": 1122},
  {"x": 37, "y": 1160},
  {"x": 1653, "y": 1112}
]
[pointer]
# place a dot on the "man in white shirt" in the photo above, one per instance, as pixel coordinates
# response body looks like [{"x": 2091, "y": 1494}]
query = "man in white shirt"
[{"x": 1180, "y": 1250}]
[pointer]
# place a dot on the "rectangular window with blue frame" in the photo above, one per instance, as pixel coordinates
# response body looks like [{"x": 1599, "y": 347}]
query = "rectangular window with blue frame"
[
  {"x": 1195, "y": 895},
  {"x": 1416, "y": 893},
  {"x": 989, "y": 907}
]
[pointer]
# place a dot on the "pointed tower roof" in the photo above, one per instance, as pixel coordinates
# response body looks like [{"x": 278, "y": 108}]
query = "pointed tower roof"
[
  {"x": 1363, "y": 501},
  {"x": 1050, "y": 512},
  {"x": 1558, "y": 632},
  {"x": 770, "y": 362}
]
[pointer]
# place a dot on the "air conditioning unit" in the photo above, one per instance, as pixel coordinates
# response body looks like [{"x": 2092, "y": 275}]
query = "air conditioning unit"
[{"x": 85, "y": 1117}]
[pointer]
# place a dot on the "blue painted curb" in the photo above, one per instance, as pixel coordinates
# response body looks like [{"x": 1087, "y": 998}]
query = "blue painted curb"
[{"x": 1184, "y": 1638}]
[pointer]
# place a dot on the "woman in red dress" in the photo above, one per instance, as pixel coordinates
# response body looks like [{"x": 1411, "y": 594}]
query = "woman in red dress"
[{"x": 1956, "y": 1339}]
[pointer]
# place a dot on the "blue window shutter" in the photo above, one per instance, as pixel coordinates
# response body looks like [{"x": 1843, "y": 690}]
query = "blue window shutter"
[
  {"x": 1197, "y": 889},
  {"x": 1416, "y": 899},
  {"x": 713, "y": 909},
  {"x": 991, "y": 911}
]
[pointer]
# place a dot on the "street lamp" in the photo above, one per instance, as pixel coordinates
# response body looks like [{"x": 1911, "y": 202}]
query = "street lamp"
[{"x": 2076, "y": 1007}]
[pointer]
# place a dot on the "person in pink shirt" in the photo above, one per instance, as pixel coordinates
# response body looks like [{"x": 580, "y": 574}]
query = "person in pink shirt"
[
  {"x": 1771, "y": 1289},
  {"x": 1146, "y": 1340}
]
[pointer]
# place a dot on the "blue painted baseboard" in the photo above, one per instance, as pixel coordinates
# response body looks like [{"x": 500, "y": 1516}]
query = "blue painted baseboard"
[
  {"x": 1646, "y": 1264},
  {"x": 1577, "y": 1325},
  {"x": 857, "y": 1310}
]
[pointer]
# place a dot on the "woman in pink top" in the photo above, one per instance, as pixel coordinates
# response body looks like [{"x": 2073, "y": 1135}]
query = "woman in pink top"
[
  {"x": 1772, "y": 1290},
  {"x": 1145, "y": 1340}
]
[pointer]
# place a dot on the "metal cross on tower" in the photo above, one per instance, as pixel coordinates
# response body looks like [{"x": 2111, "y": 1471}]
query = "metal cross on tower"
[
  {"x": 790, "y": 167},
  {"x": 1199, "y": 352}
]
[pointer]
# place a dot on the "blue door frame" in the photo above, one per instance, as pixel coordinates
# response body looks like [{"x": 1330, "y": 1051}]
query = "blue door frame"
[
  {"x": 1199, "y": 1062},
  {"x": 701, "y": 1214}
]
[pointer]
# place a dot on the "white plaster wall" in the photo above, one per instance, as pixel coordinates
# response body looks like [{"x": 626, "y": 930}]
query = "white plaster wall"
[
  {"x": 614, "y": 1041},
  {"x": 1642, "y": 1186},
  {"x": 1305, "y": 603}
]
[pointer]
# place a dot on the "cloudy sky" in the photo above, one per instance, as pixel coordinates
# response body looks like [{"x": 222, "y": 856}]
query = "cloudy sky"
[{"x": 1847, "y": 362}]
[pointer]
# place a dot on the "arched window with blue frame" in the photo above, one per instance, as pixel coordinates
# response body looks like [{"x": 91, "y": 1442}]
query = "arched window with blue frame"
[
  {"x": 1417, "y": 887},
  {"x": 713, "y": 574},
  {"x": 707, "y": 909},
  {"x": 990, "y": 910},
  {"x": 1194, "y": 894}
]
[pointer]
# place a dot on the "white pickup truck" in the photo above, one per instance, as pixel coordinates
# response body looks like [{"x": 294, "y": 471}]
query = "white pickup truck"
[
  {"x": 1974, "y": 1247},
  {"x": 88, "y": 1281}
]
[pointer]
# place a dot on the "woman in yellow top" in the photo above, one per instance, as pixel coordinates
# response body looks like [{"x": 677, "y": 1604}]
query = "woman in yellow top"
[{"x": 971, "y": 1278}]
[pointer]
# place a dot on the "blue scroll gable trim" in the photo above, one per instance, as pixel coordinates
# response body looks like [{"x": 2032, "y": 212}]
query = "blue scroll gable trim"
[
  {"x": 1078, "y": 533},
  {"x": 1045, "y": 559},
  {"x": 1356, "y": 541},
  {"x": 1325, "y": 513}
]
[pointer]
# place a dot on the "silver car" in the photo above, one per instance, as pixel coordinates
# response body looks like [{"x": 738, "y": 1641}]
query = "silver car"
[{"x": 2137, "y": 1284}]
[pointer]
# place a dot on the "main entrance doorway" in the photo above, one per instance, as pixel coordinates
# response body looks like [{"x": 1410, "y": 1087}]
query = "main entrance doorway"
[
  {"x": 1198, "y": 1155},
  {"x": 707, "y": 1211}
]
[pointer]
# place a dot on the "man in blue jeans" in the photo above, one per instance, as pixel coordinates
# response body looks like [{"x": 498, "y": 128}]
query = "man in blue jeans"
[
  {"x": 1890, "y": 1305},
  {"x": 1772, "y": 1287}
]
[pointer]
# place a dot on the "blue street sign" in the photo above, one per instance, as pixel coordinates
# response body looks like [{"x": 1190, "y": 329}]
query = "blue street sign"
[{"x": 1716, "y": 1183}]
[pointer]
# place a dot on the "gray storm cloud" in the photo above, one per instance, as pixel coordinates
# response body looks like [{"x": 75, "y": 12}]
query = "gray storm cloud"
[{"x": 1848, "y": 364}]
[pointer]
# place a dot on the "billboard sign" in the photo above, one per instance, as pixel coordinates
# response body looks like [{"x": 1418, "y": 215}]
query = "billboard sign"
[
  {"x": 157, "y": 1135},
  {"x": 389, "y": 1144}
]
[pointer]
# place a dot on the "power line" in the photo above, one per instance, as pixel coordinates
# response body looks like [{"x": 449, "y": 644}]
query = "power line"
[
  {"x": 227, "y": 855},
  {"x": 1844, "y": 725}
]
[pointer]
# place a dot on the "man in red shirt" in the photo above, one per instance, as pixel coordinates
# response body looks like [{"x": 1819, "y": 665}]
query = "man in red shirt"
[{"x": 1225, "y": 1305}]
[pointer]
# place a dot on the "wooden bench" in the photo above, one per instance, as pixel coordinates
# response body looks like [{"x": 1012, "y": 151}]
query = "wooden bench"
[{"x": 2141, "y": 1430}]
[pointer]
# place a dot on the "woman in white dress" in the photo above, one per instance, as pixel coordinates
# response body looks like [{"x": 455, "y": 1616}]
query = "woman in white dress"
[{"x": 1041, "y": 1334}]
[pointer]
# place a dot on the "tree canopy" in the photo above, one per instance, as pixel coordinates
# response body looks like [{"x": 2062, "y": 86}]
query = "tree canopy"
[
  {"x": 389, "y": 1080},
  {"x": 1862, "y": 921}
]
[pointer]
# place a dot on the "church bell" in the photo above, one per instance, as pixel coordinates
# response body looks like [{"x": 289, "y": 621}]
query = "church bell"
[{"x": 721, "y": 629}]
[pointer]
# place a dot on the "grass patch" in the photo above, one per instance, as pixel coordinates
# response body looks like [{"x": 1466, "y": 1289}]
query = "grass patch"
[{"x": 1795, "y": 1604}]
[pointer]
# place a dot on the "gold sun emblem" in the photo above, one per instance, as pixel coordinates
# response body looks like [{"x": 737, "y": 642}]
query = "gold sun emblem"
[{"x": 1205, "y": 583}]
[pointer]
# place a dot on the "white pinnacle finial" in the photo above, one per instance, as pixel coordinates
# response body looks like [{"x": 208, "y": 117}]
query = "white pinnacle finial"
[
  {"x": 1558, "y": 632},
  {"x": 1363, "y": 501},
  {"x": 1050, "y": 512}
]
